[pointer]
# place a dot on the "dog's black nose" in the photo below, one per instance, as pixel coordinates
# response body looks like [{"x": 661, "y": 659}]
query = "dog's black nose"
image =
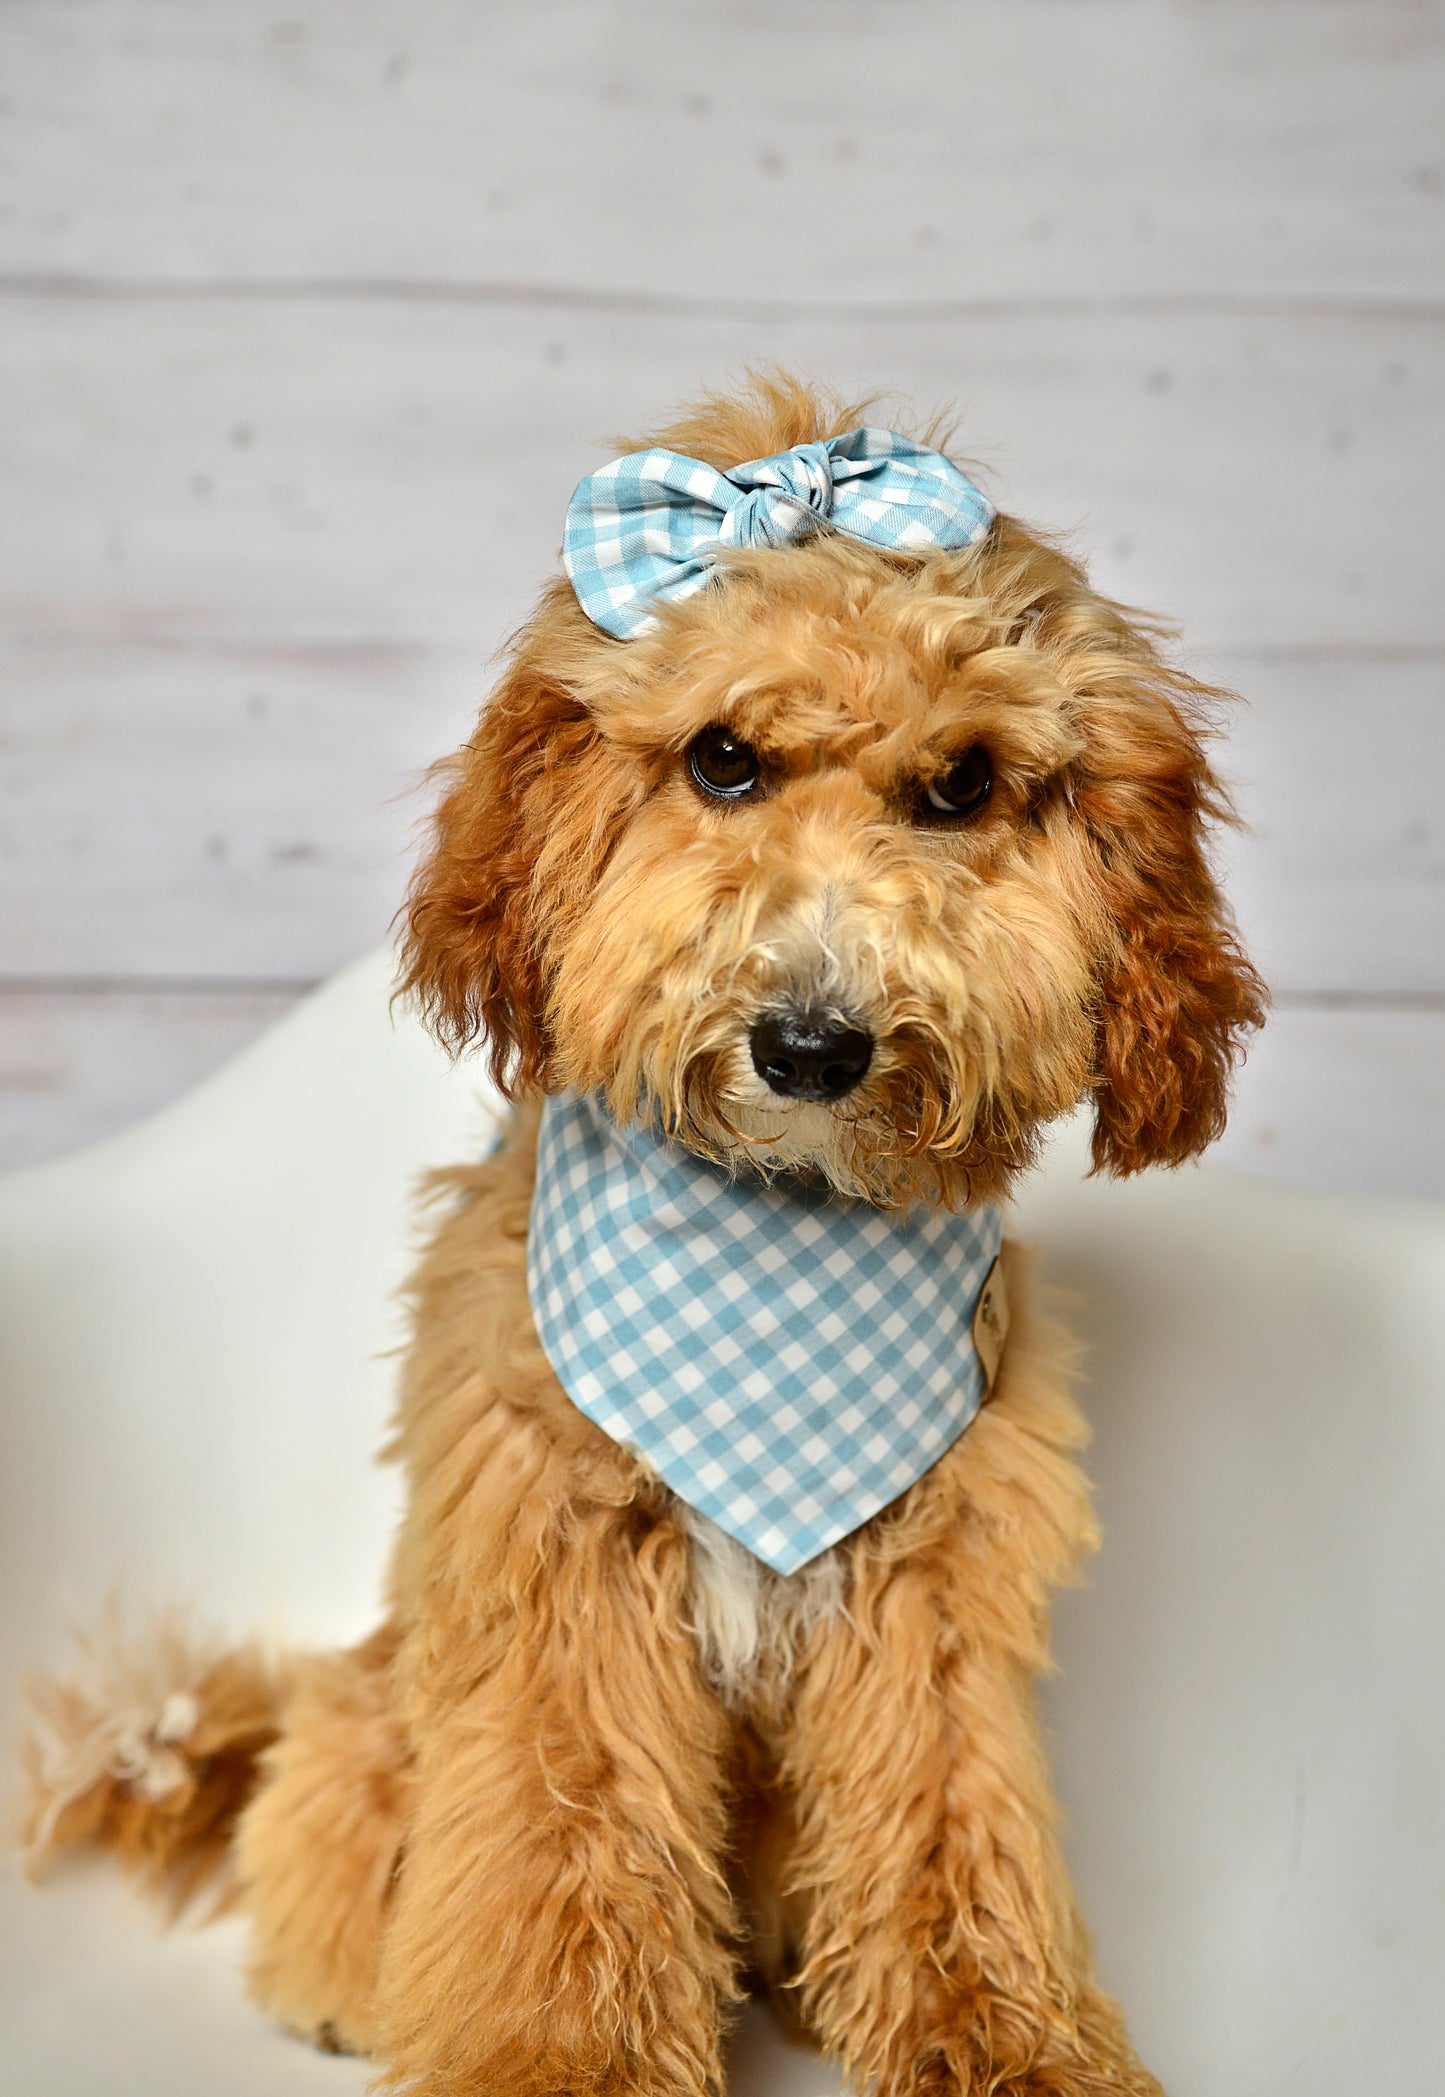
[{"x": 810, "y": 1055}]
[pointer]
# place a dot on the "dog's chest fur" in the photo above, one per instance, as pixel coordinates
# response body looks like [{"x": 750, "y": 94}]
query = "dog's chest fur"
[{"x": 750, "y": 1622}]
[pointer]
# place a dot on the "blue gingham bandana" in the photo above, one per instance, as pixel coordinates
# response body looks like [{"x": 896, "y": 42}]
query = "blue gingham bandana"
[
  {"x": 647, "y": 526},
  {"x": 788, "y": 1362}
]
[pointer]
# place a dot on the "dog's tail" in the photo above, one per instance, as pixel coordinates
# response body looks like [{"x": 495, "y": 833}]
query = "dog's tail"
[{"x": 149, "y": 1748}]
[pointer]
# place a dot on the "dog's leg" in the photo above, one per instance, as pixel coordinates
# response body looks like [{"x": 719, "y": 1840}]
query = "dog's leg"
[
  {"x": 562, "y": 1922},
  {"x": 316, "y": 1849},
  {"x": 940, "y": 1949}
]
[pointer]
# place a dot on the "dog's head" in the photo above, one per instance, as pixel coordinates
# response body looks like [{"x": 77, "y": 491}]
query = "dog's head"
[{"x": 859, "y": 862}]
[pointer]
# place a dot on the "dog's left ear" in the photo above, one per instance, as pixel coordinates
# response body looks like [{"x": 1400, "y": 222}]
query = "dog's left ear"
[{"x": 1179, "y": 994}]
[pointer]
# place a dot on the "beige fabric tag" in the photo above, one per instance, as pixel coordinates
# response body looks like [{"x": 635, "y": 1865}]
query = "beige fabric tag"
[{"x": 990, "y": 1322}]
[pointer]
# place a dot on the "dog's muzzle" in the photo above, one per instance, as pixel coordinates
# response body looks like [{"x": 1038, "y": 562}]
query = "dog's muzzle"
[{"x": 810, "y": 1055}]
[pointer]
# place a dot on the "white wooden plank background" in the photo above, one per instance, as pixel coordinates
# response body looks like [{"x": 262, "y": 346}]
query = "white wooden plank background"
[
  {"x": 837, "y": 151},
  {"x": 308, "y": 323}
]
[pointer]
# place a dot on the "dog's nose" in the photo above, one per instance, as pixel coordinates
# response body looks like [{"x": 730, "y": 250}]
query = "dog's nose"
[{"x": 810, "y": 1055}]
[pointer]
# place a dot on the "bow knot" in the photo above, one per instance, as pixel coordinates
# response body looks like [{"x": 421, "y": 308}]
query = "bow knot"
[
  {"x": 787, "y": 496},
  {"x": 648, "y": 527}
]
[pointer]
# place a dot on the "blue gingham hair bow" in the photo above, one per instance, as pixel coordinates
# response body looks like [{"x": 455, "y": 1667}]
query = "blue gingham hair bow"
[{"x": 647, "y": 527}]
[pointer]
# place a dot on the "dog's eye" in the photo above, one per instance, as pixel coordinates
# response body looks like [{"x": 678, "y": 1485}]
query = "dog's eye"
[
  {"x": 963, "y": 789},
  {"x": 723, "y": 764}
]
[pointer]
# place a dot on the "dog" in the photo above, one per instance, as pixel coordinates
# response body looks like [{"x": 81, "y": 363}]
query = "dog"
[{"x": 838, "y": 870}]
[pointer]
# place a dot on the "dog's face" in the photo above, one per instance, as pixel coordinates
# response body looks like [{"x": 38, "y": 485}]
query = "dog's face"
[{"x": 858, "y": 864}]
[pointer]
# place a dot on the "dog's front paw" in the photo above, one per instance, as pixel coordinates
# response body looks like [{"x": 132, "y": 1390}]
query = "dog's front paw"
[
  {"x": 965, "y": 2071},
  {"x": 938, "y": 2079}
]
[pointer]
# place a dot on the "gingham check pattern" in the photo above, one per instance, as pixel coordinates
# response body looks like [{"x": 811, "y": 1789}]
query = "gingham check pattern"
[
  {"x": 788, "y": 1364},
  {"x": 648, "y": 526}
]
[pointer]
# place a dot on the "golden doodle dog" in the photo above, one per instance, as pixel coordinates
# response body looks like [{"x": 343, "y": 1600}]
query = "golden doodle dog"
[{"x": 826, "y": 837}]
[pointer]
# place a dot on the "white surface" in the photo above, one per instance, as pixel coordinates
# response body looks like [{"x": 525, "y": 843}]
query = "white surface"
[
  {"x": 191, "y": 1320},
  {"x": 1373, "y": 1084},
  {"x": 308, "y": 322},
  {"x": 101, "y": 1060}
]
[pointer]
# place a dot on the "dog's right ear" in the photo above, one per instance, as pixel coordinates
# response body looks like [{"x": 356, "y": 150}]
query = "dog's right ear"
[{"x": 476, "y": 913}]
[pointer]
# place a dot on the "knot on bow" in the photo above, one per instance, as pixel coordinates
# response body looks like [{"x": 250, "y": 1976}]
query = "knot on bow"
[
  {"x": 783, "y": 498},
  {"x": 648, "y": 528}
]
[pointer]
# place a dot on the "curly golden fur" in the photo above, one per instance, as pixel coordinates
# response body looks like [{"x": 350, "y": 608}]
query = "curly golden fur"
[{"x": 592, "y": 1777}]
